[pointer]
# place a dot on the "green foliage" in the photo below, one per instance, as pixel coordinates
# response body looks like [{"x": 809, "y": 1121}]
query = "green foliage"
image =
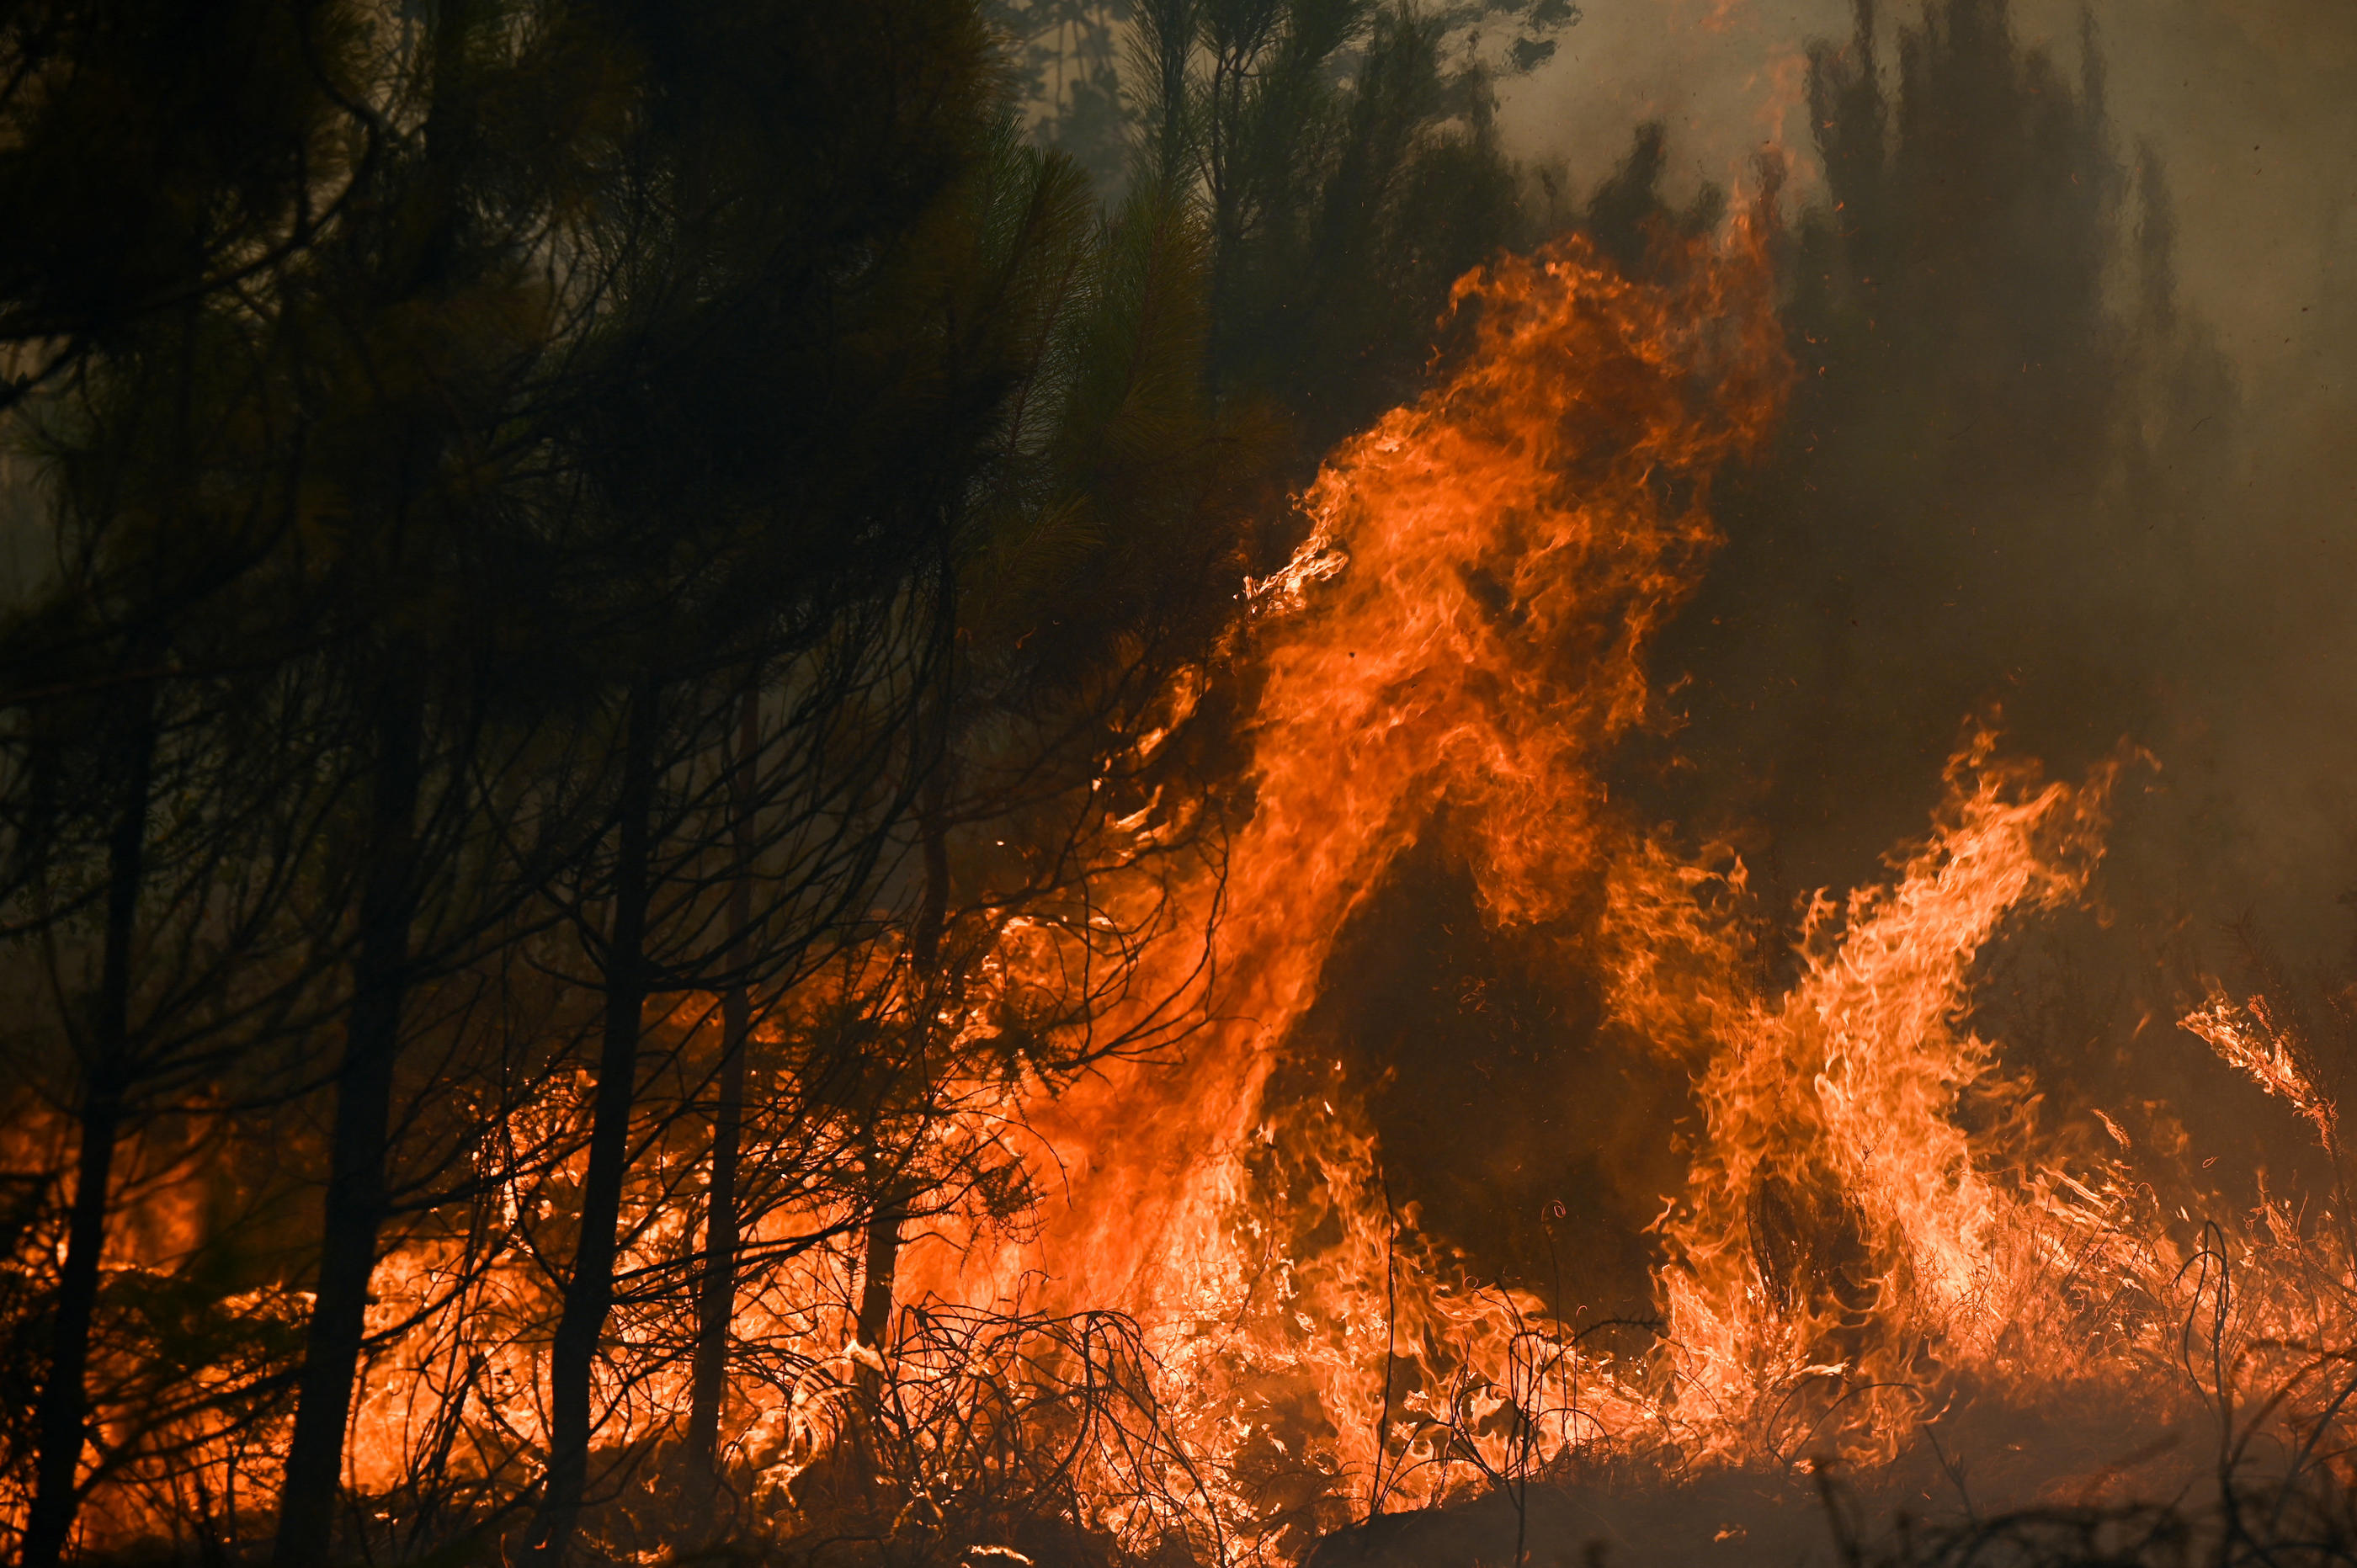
[
  {"x": 1344, "y": 155},
  {"x": 1066, "y": 68}
]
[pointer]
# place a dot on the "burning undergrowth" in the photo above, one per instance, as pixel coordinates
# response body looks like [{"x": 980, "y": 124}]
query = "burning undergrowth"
[
  {"x": 1846, "y": 1260},
  {"x": 1882, "y": 1259}
]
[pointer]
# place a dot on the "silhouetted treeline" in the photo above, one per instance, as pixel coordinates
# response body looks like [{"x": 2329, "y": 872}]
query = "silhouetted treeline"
[
  {"x": 589, "y": 582},
  {"x": 2002, "y": 445}
]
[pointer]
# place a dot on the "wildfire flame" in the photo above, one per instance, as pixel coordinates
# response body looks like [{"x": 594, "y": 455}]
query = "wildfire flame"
[
  {"x": 1839, "y": 1217},
  {"x": 2247, "y": 1037},
  {"x": 1458, "y": 647}
]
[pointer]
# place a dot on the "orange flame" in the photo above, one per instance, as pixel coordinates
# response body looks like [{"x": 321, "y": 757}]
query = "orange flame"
[
  {"x": 1465, "y": 627},
  {"x": 1458, "y": 647}
]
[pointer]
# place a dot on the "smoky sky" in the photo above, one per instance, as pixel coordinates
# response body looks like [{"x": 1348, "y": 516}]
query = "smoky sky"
[
  {"x": 2250, "y": 110},
  {"x": 2253, "y": 104}
]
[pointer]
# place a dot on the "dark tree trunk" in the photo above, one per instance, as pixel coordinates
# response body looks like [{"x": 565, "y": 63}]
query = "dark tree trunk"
[
  {"x": 882, "y": 1263},
  {"x": 932, "y": 831},
  {"x": 354, "y": 1209},
  {"x": 61, "y": 1416},
  {"x": 589, "y": 1294},
  {"x": 716, "y": 1298}
]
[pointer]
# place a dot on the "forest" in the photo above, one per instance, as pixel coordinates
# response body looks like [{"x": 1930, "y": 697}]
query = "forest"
[{"x": 942, "y": 783}]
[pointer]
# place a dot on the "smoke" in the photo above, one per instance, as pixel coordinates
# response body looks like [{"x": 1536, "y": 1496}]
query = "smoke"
[
  {"x": 2236, "y": 124},
  {"x": 2247, "y": 104}
]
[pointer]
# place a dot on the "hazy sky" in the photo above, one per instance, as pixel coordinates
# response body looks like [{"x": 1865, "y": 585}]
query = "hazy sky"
[
  {"x": 2253, "y": 107},
  {"x": 2253, "y": 104}
]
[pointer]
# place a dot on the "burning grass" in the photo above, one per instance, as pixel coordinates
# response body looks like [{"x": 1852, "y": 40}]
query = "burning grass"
[{"x": 1169, "y": 1317}]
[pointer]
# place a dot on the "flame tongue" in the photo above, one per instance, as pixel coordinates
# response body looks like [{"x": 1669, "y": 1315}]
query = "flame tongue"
[
  {"x": 1465, "y": 626},
  {"x": 1838, "y": 1210}
]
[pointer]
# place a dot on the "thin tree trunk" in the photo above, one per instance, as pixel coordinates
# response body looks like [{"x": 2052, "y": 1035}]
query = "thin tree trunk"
[
  {"x": 715, "y": 1301},
  {"x": 355, "y": 1205},
  {"x": 882, "y": 1263},
  {"x": 61, "y": 1415},
  {"x": 589, "y": 1294},
  {"x": 881, "y": 1267},
  {"x": 355, "y": 1202}
]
